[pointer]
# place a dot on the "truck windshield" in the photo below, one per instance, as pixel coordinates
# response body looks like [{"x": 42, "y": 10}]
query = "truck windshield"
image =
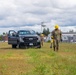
[{"x": 26, "y": 32}]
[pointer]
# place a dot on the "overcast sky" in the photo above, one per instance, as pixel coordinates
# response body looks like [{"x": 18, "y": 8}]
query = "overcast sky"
[{"x": 28, "y": 14}]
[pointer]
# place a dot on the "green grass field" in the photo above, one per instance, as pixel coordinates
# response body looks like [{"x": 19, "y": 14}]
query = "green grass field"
[{"x": 42, "y": 61}]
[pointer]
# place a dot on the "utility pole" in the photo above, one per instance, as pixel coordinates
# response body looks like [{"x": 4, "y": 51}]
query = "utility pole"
[{"x": 42, "y": 25}]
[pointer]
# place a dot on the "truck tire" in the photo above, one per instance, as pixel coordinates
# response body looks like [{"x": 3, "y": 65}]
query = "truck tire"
[
  {"x": 20, "y": 46},
  {"x": 39, "y": 46},
  {"x": 14, "y": 46}
]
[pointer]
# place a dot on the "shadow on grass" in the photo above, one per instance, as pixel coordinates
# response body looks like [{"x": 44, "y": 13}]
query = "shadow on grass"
[
  {"x": 9, "y": 48},
  {"x": 23, "y": 48}
]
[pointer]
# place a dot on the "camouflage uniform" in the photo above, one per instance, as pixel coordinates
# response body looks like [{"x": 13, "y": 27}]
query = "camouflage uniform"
[
  {"x": 56, "y": 38},
  {"x": 42, "y": 39},
  {"x": 51, "y": 42}
]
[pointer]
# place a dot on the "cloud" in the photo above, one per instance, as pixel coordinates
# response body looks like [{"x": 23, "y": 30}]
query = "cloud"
[
  {"x": 22, "y": 14},
  {"x": 63, "y": 3}
]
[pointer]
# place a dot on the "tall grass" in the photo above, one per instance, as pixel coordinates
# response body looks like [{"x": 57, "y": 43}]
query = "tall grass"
[{"x": 42, "y": 61}]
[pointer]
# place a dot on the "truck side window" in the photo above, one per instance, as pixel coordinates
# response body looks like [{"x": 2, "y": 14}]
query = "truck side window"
[{"x": 12, "y": 33}]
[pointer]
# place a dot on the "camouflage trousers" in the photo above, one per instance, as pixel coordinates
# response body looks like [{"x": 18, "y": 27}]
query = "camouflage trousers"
[
  {"x": 51, "y": 43},
  {"x": 42, "y": 43},
  {"x": 56, "y": 45}
]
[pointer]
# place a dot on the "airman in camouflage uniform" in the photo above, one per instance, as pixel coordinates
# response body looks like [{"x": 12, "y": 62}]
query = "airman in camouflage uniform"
[
  {"x": 56, "y": 33},
  {"x": 42, "y": 39}
]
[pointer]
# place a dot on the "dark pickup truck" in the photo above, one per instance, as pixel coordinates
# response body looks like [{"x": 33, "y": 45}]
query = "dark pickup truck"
[{"x": 23, "y": 38}]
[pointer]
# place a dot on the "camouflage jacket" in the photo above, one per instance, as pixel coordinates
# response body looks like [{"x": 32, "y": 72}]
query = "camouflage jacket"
[{"x": 56, "y": 33}]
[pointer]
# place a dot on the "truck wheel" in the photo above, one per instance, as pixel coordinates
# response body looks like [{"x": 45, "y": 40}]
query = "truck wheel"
[
  {"x": 39, "y": 46},
  {"x": 20, "y": 46},
  {"x": 14, "y": 46}
]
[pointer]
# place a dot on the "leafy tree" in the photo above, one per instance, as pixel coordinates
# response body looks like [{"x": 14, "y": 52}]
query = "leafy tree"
[
  {"x": 4, "y": 33},
  {"x": 37, "y": 33},
  {"x": 46, "y": 31},
  {"x": 0, "y": 37}
]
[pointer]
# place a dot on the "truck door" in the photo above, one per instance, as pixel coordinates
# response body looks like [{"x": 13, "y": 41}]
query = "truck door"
[{"x": 12, "y": 38}]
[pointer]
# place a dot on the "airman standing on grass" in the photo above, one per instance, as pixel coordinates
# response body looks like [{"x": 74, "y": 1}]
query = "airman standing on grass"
[
  {"x": 57, "y": 37},
  {"x": 42, "y": 39}
]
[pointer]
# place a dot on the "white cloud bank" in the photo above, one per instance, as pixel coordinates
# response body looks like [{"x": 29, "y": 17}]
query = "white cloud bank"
[{"x": 25, "y": 14}]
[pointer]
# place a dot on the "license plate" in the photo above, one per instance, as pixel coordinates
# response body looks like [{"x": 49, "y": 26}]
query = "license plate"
[
  {"x": 30, "y": 43},
  {"x": 30, "y": 38}
]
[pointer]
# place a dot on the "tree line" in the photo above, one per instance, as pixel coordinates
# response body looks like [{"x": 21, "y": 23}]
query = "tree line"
[
  {"x": 2, "y": 35},
  {"x": 45, "y": 32}
]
